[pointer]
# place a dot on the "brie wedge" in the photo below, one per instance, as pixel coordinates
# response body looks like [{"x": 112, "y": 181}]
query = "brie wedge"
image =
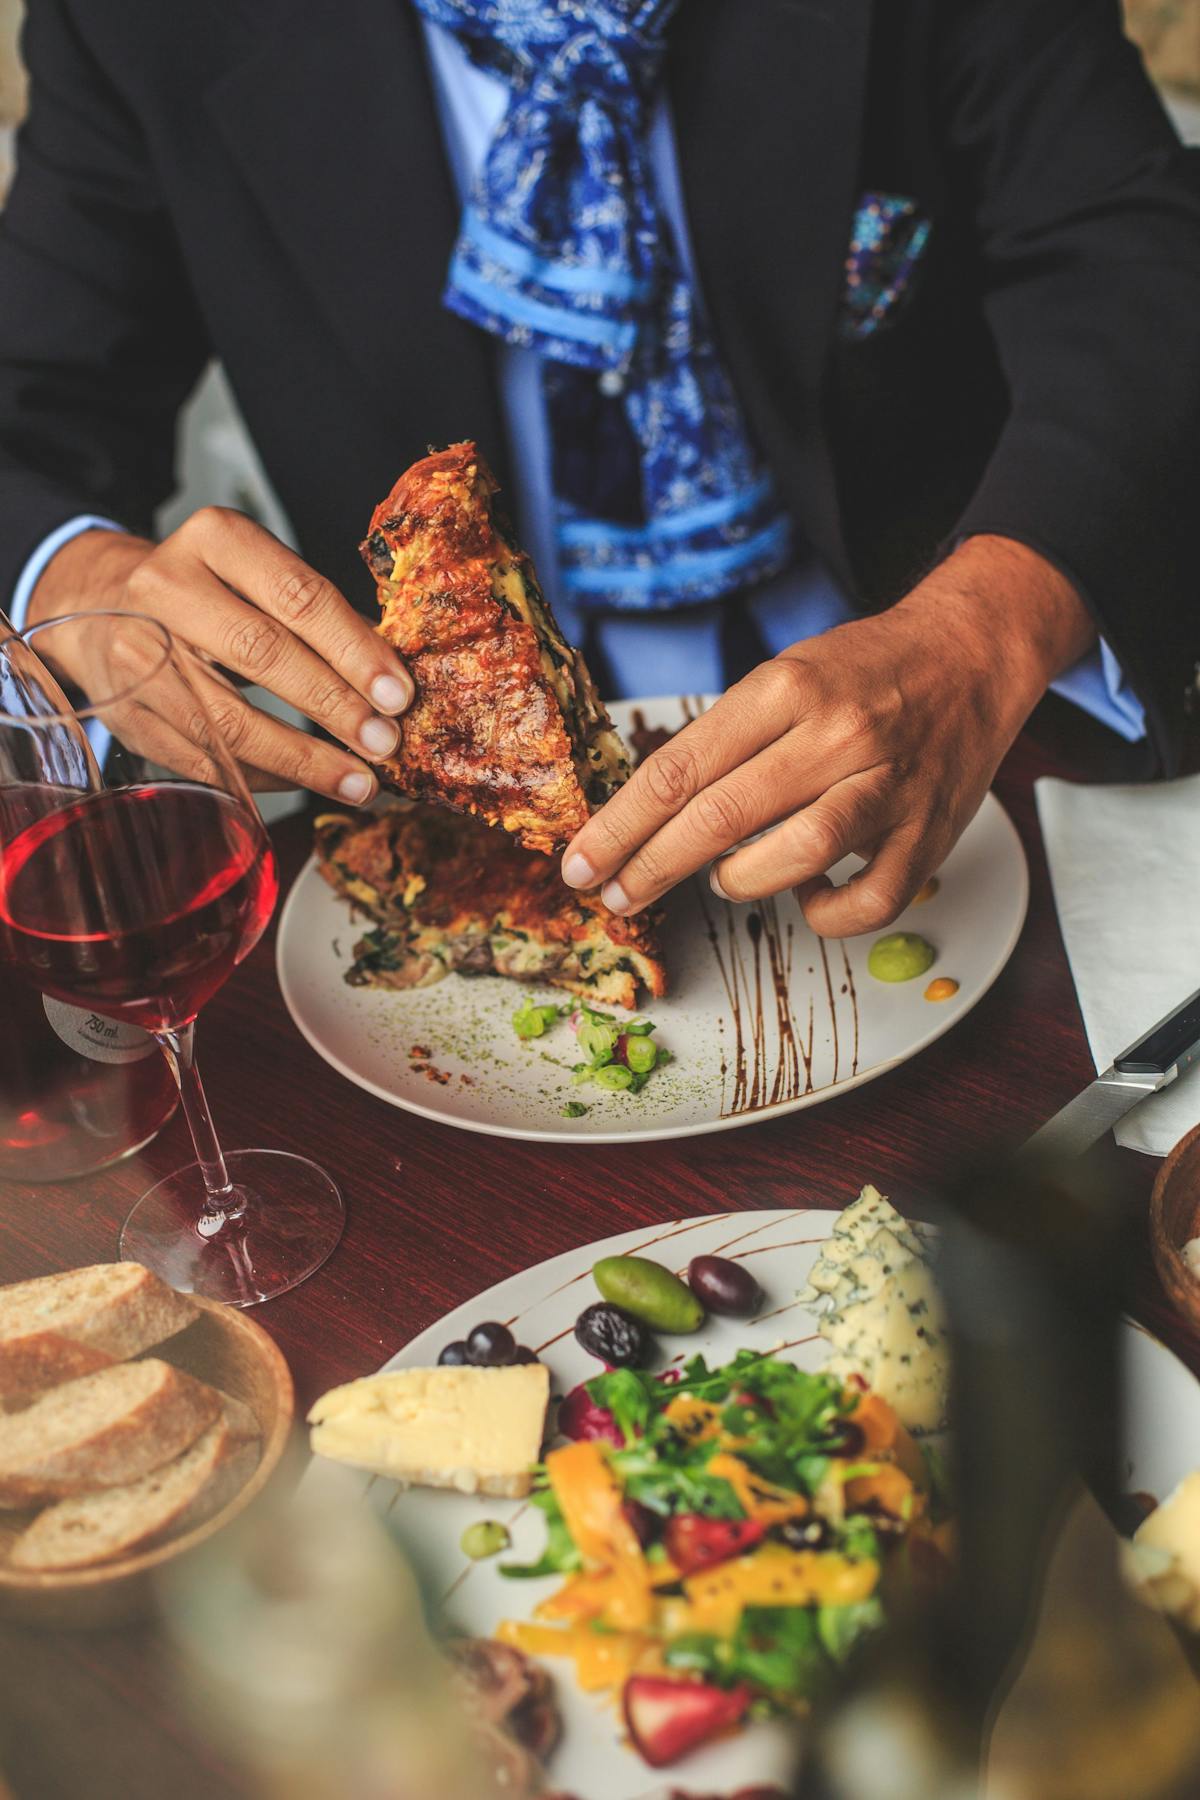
[{"x": 476, "y": 1430}]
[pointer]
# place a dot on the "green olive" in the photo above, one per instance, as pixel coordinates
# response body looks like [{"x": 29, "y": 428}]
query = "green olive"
[
  {"x": 901, "y": 956},
  {"x": 485, "y": 1538},
  {"x": 649, "y": 1292}
]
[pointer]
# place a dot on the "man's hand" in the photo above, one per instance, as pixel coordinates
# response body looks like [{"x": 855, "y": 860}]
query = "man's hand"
[
  {"x": 880, "y": 737},
  {"x": 231, "y": 590}
]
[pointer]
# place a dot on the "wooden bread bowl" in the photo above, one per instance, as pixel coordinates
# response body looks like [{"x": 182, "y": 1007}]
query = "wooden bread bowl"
[
  {"x": 1174, "y": 1220},
  {"x": 231, "y": 1352}
]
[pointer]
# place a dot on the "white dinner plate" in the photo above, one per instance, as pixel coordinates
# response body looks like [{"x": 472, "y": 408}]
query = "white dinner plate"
[
  {"x": 762, "y": 1017},
  {"x": 1161, "y": 1435}
]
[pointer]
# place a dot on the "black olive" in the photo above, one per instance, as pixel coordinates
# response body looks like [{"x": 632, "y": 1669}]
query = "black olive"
[
  {"x": 454, "y": 1353},
  {"x": 607, "y": 1332},
  {"x": 491, "y": 1346},
  {"x": 647, "y": 1526},
  {"x": 845, "y": 1438}
]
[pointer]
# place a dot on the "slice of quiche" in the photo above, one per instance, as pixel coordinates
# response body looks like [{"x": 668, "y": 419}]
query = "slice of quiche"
[
  {"x": 450, "y": 894},
  {"x": 506, "y": 722}
]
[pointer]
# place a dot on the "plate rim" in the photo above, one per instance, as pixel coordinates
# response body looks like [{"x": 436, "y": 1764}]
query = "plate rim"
[{"x": 939, "y": 1026}]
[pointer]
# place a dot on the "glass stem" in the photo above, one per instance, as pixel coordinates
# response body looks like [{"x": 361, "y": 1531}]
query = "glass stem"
[{"x": 222, "y": 1200}]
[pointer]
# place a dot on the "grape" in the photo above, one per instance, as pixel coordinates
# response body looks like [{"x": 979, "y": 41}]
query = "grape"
[{"x": 491, "y": 1346}]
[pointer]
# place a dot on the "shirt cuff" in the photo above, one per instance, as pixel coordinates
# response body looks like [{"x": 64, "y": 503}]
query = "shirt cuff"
[
  {"x": 31, "y": 574},
  {"x": 1097, "y": 684}
]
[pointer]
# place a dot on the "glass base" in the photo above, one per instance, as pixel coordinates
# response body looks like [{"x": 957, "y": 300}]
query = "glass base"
[{"x": 289, "y": 1221}]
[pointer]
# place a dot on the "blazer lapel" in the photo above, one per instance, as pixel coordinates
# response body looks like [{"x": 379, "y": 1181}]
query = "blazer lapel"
[
  {"x": 768, "y": 102},
  {"x": 332, "y": 121}
]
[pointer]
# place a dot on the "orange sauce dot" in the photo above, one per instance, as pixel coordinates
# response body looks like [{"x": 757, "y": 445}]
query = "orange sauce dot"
[
  {"x": 941, "y": 989},
  {"x": 927, "y": 892}
]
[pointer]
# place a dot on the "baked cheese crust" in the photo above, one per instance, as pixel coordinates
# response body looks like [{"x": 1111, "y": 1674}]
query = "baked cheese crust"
[
  {"x": 506, "y": 723},
  {"x": 449, "y": 894}
]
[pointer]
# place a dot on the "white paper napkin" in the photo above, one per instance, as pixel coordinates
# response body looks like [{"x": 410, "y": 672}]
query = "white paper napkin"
[{"x": 1125, "y": 864}]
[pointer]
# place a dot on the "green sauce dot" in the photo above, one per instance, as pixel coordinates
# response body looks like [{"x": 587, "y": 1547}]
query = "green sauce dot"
[{"x": 901, "y": 956}]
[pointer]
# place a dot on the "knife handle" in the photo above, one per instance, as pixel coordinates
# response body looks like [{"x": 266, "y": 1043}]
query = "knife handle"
[{"x": 1173, "y": 1042}]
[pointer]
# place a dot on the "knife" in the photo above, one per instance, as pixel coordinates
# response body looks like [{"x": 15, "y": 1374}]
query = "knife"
[{"x": 1153, "y": 1063}]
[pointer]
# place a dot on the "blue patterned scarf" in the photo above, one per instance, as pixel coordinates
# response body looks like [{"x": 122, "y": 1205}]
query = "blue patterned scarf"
[{"x": 564, "y": 250}]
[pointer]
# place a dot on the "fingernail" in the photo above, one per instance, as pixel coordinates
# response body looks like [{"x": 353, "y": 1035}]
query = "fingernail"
[
  {"x": 380, "y": 736},
  {"x": 614, "y": 897},
  {"x": 356, "y": 788},
  {"x": 577, "y": 871},
  {"x": 390, "y": 693},
  {"x": 714, "y": 882}
]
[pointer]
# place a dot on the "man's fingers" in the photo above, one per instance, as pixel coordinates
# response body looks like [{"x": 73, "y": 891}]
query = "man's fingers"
[
  {"x": 202, "y": 611},
  {"x": 252, "y": 561},
  {"x": 290, "y": 758},
  {"x": 872, "y": 899},
  {"x": 744, "y": 721},
  {"x": 715, "y": 821},
  {"x": 845, "y": 818}
]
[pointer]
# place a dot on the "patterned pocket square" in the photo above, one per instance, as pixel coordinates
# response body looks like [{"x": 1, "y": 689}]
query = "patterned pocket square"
[{"x": 886, "y": 244}]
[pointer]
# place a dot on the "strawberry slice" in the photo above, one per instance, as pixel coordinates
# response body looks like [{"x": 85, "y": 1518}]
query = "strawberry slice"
[
  {"x": 694, "y": 1542},
  {"x": 666, "y": 1718}
]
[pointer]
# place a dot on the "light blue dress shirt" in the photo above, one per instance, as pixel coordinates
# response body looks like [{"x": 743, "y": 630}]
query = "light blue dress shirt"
[{"x": 660, "y": 653}]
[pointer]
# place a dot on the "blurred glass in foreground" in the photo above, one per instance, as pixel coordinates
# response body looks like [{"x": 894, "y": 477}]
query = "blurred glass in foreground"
[
  {"x": 1036, "y": 1676},
  {"x": 307, "y": 1662}
]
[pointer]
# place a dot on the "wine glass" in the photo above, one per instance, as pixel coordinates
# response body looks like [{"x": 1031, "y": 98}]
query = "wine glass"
[{"x": 143, "y": 879}]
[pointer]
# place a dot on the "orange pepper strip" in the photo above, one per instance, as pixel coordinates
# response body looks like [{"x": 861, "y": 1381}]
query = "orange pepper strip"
[
  {"x": 885, "y": 1435},
  {"x": 592, "y": 1506},
  {"x": 591, "y": 1501},
  {"x": 890, "y": 1488},
  {"x": 775, "y": 1577},
  {"x": 759, "y": 1499}
]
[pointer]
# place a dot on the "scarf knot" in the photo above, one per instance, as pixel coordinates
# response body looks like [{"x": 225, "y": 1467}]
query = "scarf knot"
[{"x": 564, "y": 250}]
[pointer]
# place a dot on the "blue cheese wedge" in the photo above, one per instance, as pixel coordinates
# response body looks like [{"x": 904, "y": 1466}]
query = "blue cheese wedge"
[
  {"x": 870, "y": 1241},
  {"x": 478, "y": 1431},
  {"x": 896, "y": 1340}
]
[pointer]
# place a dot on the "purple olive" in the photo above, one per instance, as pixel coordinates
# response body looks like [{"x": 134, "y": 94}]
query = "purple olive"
[
  {"x": 724, "y": 1286},
  {"x": 491, "y": 1346}
]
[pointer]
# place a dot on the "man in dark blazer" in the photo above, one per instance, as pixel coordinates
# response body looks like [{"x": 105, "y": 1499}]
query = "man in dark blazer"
[{"x": 1000, "y": 476}]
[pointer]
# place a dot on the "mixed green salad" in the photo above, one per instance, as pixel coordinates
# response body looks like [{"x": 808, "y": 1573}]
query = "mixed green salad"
[{"x": 727, "y": 1537}]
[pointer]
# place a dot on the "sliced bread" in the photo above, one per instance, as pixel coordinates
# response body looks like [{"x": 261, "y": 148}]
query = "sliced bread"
[
  {"x": 121, "y": 1521},
  {"x": 104, "y": 1430},
  {"x": 60, "y": 1327}
]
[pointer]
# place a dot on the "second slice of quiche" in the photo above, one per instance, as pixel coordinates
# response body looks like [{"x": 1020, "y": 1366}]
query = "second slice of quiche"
[{"x": 506, "y": 722}]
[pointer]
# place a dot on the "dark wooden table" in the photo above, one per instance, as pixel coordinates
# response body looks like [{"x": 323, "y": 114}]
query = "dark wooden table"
[{"x": 435, "y": 1215}]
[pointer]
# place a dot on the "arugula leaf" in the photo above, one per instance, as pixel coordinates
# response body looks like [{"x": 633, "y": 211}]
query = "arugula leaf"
[
  {"x": 560, "y": 1557},
  {"x": 630, "y": 1396},
  {"x": 858, "y": 1539},
  {"x": 778, "y": 1648},
  {"x": 842, "y": 1628}
]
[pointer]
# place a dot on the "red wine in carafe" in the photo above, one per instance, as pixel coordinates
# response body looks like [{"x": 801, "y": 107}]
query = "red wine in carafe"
[{"x": 77, "y": 1090}]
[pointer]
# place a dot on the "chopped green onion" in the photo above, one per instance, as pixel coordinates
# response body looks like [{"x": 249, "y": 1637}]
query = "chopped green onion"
[
  {"x": 597, "y": 1041},
  {"x": 533, "y": 1021},
  {"x": 641, "y": 1054},
  {"x": 640, "y": 1028},
  {"x": 613, "y": 1075},
  {"x": 574, "y": 1109}
]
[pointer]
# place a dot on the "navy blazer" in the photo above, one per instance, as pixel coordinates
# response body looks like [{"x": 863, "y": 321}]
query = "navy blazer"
[{"x": 265, "y": 180}]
